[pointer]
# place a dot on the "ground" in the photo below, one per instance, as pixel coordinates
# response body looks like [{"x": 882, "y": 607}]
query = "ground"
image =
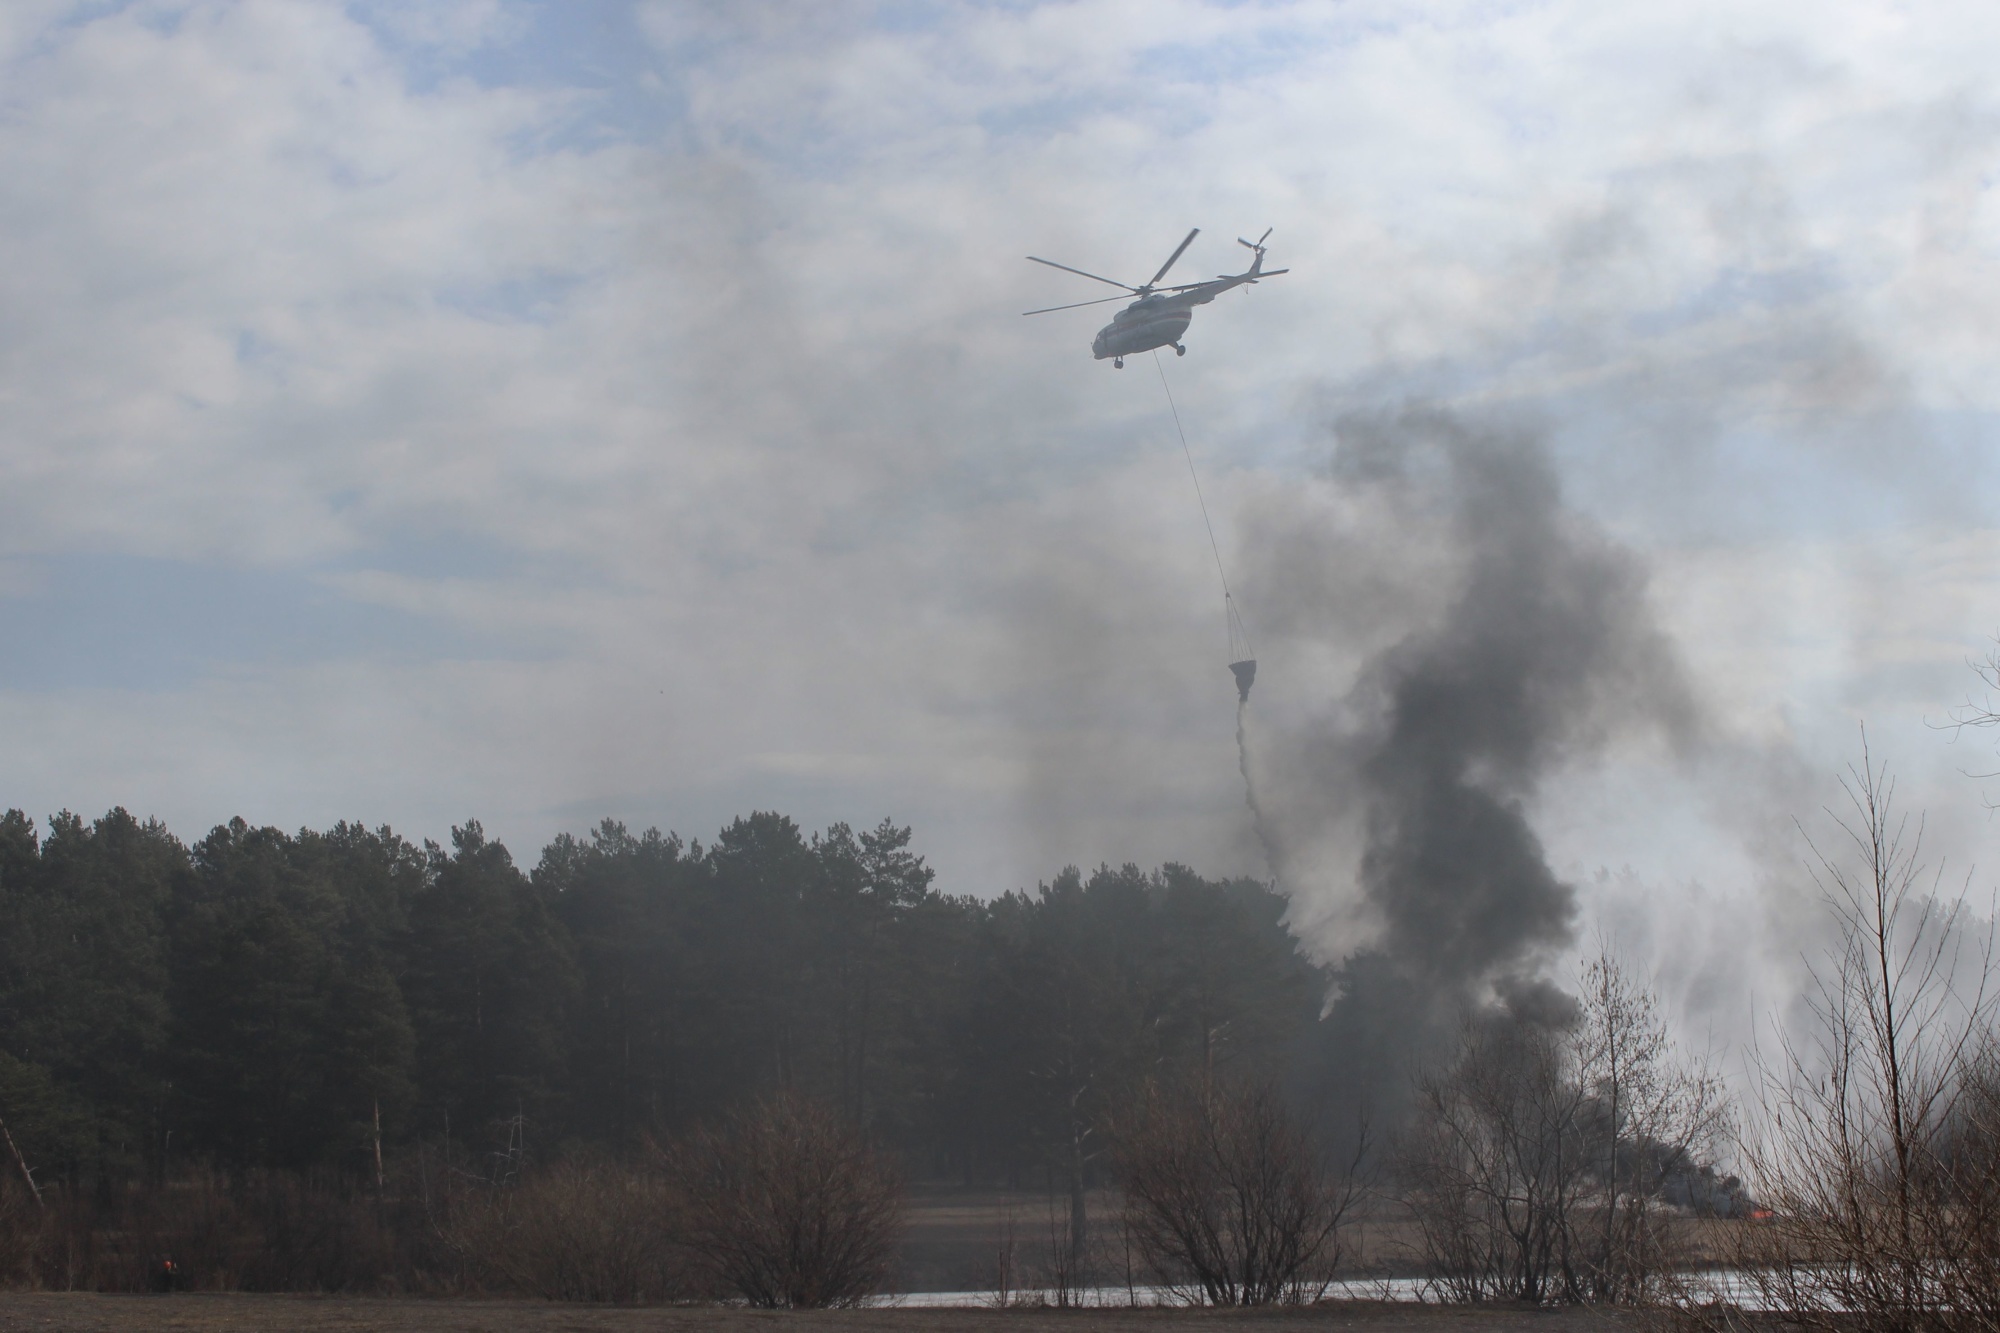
[{"x": 78, "y": 1312}]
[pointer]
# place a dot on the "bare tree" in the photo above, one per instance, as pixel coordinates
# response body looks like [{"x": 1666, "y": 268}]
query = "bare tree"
[
  {"x": 1227, "y": 1197},
  {"x": 1494, "y": 1162},
  {"x": 1538, "y": 1159},
  {"x": 1980, "y": 715},
  {"x": 1066, "y": 1270},
  {"x": 1969, "y": 1188},
  {"x": 1651, "y": 1116},
  {"x": 787, "y": 1206},
  {"x": 1877, "y": 1154}
]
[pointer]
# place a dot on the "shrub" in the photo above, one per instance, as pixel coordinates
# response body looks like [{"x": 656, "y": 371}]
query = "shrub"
[
  {"x": 1227, "y": 1198},
  {"x": 580, "y": 1230},
  {"x": 787, "y": 1206}
]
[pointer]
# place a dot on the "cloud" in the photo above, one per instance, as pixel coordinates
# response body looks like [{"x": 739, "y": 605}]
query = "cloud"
[{"x": 665, "y": 422}]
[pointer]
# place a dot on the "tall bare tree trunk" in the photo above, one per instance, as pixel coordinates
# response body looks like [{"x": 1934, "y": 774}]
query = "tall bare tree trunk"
[
  {"x": 22, "y": 1163},
  {"x": 1079, "y": 1212}
]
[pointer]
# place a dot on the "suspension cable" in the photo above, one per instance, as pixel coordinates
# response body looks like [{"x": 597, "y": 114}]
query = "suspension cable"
[{"x": 1233, "y": 618}]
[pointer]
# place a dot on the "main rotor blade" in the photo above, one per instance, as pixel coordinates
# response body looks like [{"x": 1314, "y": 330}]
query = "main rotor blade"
[
  {"x": 1081, "y": 274},
  {"x": 1047, "y": 308},
  {"x": 1175, "y": 255},
  {"x": 1219, "y": 278}
]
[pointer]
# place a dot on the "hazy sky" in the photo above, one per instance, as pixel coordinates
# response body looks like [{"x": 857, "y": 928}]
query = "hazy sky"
[{"x": 539, "y": 411}]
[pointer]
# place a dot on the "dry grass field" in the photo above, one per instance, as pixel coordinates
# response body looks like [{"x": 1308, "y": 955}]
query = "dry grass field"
[
  {"x": 65, "y": 1312},
  {"x": 959, "y": 1241},
  {"x": 954, "y": 1241}
]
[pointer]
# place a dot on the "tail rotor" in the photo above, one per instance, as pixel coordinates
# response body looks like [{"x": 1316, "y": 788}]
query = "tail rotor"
[{"x": 1256, "y": 247}]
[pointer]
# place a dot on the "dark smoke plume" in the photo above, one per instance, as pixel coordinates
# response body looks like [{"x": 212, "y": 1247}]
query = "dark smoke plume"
[{"x": 1494, "y": 634}]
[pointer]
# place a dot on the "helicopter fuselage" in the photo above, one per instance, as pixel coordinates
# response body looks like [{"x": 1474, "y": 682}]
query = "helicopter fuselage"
[
  {"x": 1159, "y": 320},
  {"x": 1151, "y": 321}
]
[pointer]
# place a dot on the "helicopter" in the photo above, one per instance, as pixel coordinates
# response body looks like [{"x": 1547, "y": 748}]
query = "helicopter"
[{"x": 1161, "y": 314}]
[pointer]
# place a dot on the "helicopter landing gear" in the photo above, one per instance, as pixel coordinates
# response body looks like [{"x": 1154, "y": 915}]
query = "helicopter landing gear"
[
  {"x": 1118, "y": 363},
  {"x": 1179, "y": 350}
]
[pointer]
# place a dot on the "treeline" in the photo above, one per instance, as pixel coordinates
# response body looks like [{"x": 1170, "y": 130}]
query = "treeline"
[{"x": 312, "y": 1001}]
